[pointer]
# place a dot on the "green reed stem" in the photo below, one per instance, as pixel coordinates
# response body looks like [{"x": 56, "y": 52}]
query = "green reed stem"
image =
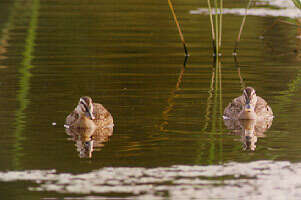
[
  {"x": 216, "y": 28},
  {"x": 216, "y": 25},
  {"x": 220, "y": 23},
  {"x": 212, "y": 27}
]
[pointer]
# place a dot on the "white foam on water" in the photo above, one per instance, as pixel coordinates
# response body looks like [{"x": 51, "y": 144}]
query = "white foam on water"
[
  {"x": 289, "y": 12},
  {"x": 286, "y": 9},
  {"x": 254, "y": 180},
  {"x": 280, "y": 3}
]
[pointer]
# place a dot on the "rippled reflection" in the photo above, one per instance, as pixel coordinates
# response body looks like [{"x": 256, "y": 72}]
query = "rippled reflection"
[
  {"x": 89, "y": 140},
  {"x": 30, "y": 9},
  {"x": 173, "y": 95},
  {"x": 248, "y": 130}
]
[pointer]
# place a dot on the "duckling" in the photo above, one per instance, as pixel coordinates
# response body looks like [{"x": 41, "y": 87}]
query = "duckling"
[
  {"x": 89, "y": 115},
  {"x": 248, "y": 106}
]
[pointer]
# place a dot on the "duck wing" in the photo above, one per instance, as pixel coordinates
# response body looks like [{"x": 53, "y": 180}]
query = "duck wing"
[
  {"x": 71, "y": 118},
  {"x": 234, "y": 108},
  {"x": 102, "y": 116},
  {"x": 262, "y": 108}
]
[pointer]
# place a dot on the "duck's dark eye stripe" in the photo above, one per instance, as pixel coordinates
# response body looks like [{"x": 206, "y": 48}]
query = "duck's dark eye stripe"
[
  {"x": 87, "y": 110},
  {"x": 247, "y": 99}
]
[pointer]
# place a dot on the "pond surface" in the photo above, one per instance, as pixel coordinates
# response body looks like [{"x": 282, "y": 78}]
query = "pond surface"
[{"x": 128, "y": 56}]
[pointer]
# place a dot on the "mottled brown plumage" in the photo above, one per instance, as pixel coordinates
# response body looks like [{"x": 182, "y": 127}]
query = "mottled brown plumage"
[
  {"x": 257, "y": 107},
  {"x": 89, "y": 115}
]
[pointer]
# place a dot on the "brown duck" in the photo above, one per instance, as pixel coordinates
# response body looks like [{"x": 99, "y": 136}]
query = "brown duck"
[
  {"x": 248, "y": 106},
  {"x": 89, "y": 115}
]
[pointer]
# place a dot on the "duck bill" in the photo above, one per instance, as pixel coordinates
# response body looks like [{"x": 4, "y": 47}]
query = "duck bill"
[{"x": 248, "y": 108}]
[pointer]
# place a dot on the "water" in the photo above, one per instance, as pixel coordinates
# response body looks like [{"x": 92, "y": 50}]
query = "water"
[
  {"x": 254, "y": 180},
  {"x": 128, "y": 56}
]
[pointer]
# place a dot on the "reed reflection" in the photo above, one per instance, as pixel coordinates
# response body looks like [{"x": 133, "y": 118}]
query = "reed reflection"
[
  {"x": 171, "y": 98},
  {"x": 212, "y": 125},
  {"x": 89, "y": 140}
]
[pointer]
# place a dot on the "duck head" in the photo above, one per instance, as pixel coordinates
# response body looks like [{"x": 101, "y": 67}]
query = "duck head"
[
  {"x": 250, "y": 99},
  {"x": 85, "y": 107}
]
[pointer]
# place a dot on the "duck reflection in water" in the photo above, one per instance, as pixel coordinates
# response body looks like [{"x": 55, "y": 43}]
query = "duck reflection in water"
[
  {"x": 248, "y": 115},
  {"x": 89, "y": 140},
  {"x": 249, "y": 130},
  {"x": 90, "y": 125}
]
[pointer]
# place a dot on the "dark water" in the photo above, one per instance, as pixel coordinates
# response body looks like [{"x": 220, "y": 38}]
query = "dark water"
[{"x": 128, "y": 56}]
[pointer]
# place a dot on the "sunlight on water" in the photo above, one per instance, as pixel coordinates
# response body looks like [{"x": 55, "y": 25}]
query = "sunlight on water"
[
  {"x": 286, "y": 9},
  {"x": 254, "y": 180}
]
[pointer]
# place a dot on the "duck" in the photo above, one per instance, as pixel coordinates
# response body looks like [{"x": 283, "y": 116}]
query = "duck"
[
  {"x": 89, "y": 115},
  {"x": 248, "y": 106}
]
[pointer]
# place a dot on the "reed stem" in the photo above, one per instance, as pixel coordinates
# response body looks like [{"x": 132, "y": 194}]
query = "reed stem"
[
  {"x": 216, "y": 28},
  {"x": 220, "y": 23},
  {"x": 212, "y": 28},
  {"x": 178, "y": 26},
  {"x": 216, "y": 25}
]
